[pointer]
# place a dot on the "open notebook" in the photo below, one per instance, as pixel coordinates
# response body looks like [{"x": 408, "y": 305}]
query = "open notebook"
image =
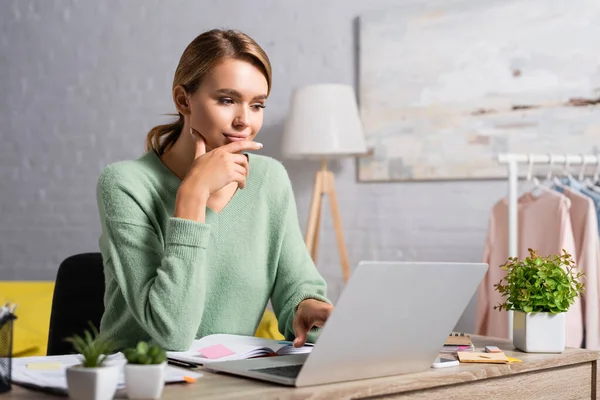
[{"x": 225, "y": 347}]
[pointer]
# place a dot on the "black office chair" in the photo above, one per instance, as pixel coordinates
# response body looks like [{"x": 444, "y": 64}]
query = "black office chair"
[{"x": 78, "y": 299}]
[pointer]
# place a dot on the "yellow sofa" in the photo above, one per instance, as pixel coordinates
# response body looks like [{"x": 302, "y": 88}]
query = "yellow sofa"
[
  {"x": 30, "y": 330},
  {"x": 34, "y": 302},
  {"x": 268, "y": 327}
]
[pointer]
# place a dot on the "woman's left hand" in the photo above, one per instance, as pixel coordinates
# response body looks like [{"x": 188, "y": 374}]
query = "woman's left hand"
[{"x": 310, "y": 313}]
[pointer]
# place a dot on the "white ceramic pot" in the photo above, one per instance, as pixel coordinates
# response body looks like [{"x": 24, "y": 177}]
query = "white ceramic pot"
[
  {"x": 144, "y": 381},
  {"x": 93, "y": 383},
  {"x": 539, "y": 332}
]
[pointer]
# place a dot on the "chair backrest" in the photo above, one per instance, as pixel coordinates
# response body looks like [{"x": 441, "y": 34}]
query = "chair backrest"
[{"x": 78, "y": 299}]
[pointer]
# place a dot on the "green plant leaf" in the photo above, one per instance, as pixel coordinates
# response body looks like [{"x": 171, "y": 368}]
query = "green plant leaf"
[
  {"x": 143, "y": 353},
  {"x": 160, "y": 358},
  {"x": 153, "y": 351},
  {"x": 540, "y": 284},
  {"x": 142, "y": 347},
  {"x": 92, "y": 347}
]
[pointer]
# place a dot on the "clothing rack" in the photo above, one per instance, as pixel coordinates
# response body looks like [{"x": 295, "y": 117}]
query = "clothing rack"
[{"x": 513, "y": 160}]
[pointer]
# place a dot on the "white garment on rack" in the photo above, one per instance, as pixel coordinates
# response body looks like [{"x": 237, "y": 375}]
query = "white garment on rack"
[{"x": 544, "y": 225}]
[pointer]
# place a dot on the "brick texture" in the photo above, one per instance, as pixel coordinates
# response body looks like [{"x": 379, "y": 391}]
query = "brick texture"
[{"x": 82, "y": 82}]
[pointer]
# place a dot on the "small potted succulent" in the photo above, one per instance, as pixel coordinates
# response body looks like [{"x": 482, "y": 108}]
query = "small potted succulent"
[
  {"x": 93, "y": 379},
  {"x": 145, "y": 371},
  {"x": 540, "y": 291}
]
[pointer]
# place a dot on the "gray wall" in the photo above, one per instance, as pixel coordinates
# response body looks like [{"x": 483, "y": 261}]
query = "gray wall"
[{"x": 82, "y": 82}]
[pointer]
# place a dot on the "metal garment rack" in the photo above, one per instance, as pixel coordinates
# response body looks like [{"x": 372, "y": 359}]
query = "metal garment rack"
[{"x": 512, "y": 160}]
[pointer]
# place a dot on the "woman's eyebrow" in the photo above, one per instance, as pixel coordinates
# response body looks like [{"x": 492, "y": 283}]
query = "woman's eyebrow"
[{"x": 235, "y": 93}]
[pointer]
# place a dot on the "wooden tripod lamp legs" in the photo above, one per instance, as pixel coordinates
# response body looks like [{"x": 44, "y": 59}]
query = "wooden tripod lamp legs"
[{"x": 324, "y": 184}]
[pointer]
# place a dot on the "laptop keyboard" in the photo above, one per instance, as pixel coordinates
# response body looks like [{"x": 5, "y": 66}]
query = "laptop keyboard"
[{"x": 288, "y": 371}]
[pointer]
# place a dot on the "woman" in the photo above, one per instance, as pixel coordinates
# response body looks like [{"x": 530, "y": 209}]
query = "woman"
[{"x": 197, "y": 234}]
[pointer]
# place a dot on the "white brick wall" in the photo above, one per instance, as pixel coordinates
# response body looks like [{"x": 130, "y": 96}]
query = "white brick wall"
[{"x": 82, "y": 82}]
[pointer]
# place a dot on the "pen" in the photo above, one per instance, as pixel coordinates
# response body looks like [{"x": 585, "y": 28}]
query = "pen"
[
  {"x": 292, "y": 343},
  {"x": 182, "y": 364},
  {"x": 7, "y": 310},
  {"x": 3, "y": 310}
]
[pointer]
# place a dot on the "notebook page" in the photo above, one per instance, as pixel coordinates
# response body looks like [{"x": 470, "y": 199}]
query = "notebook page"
[
  {"x": 289, "y": 349},
  {"x": 243, "y": 347},
  {"x": 23, "y": 370}
]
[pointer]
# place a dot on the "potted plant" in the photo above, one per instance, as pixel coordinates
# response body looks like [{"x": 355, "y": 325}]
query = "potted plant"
[
  {"x": 145, "y": 371},
  {"x": 540, "y": 291},
  {"x": 93, "y": 379}
]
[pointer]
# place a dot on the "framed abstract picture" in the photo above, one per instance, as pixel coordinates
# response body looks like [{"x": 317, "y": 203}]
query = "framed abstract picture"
[{"x": 444, "y": 86}]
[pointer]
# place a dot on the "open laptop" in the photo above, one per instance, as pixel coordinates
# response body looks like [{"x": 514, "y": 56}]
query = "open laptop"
[{"x": 392, "y": 318}]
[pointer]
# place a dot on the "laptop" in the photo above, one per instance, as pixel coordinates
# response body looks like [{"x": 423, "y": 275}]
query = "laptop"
[{"x": 391, "y": 318}]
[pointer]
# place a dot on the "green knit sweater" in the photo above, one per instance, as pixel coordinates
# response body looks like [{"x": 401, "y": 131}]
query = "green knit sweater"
[{"x": 171, "y": 280}]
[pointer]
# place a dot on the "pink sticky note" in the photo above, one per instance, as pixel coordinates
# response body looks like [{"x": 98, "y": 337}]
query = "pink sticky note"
[{"x": 216, "y": 351}]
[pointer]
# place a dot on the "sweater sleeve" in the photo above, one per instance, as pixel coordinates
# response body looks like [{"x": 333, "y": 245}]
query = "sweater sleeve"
[
  {"x": 297, "y": 277},
  {"x": 161, "y": 279}
]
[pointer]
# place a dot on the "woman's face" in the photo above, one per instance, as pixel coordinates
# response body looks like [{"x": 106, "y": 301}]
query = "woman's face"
[{"x": 228, "y": 105}]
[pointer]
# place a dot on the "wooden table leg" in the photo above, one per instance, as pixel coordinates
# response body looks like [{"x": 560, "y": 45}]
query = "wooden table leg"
[
  {"x": 314, "y": 216},
  {"x": 337, "y": 223},
  {"x": 595, "y": 379}
]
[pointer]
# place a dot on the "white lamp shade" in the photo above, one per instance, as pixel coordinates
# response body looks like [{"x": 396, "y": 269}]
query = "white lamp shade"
[{"x": 323, "y": 121}]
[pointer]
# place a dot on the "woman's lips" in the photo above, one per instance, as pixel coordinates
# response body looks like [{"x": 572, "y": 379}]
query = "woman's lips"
[{"x": 235, "y": 138}]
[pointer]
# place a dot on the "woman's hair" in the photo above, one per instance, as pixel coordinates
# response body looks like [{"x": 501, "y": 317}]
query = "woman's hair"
[{"x": 201, "y": 55}]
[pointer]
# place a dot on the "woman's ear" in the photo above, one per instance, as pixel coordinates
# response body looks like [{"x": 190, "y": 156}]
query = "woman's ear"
[{"x": 181, "y": 99}]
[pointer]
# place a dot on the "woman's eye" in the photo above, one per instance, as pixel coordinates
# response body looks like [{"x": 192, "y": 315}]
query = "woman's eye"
[
  {"x": 257, "y": 107},
  {"x": 225, "y": 100}
]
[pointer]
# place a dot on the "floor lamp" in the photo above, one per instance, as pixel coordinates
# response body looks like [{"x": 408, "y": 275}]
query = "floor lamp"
[{"x": 323, "y": 123}]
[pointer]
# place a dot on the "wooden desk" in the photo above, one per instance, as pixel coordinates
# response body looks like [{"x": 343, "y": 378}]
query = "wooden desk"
[{"x": 570, "y": 375}]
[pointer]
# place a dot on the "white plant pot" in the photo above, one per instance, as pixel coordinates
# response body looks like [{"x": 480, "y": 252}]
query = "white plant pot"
[
  {"x": 539, "y": 332},
  {"x": 144, "y": 381},
  {"x": 93, "y": 383}
]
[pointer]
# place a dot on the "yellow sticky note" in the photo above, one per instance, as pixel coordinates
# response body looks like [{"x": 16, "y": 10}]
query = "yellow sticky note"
[
  {"x": 44, "y": 365},
  {"x": 512, "y": 359}
]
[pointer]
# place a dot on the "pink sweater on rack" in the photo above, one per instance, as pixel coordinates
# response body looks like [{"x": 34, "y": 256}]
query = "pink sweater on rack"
[
  {"x": 587, "y": 243},
  {"x": 544, "y": 225}
]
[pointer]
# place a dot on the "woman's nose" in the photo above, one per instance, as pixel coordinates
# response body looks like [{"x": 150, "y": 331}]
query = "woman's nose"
[{"x": 242, "y": 118}]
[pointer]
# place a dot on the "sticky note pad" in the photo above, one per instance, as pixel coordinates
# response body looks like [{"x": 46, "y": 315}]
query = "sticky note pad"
[
  {"x": 492, "y": 349},
  {"x": 44, "y": 365},
  {"x": 477, "y": 357},
  {"x": 216, "y": 351}
]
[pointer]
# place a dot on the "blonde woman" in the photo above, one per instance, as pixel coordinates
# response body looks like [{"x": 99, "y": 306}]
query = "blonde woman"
[{"x": 198, "y": 234}]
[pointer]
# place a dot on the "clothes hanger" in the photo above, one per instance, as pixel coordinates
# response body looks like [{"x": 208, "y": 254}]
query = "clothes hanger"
[
  {"x": 558, "y": 182},
  {"x": 596, "y": 176},
  {"x": 582, "y": 170},
  {"x": 540, "y": 186},
  {"x": 537, "y": 185},
  {"x": 587, "y": 181},
  {"x": 593, "y": 183},
  {"x": 566, "y": 171},
  {"x": 549, "y": 176}
]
